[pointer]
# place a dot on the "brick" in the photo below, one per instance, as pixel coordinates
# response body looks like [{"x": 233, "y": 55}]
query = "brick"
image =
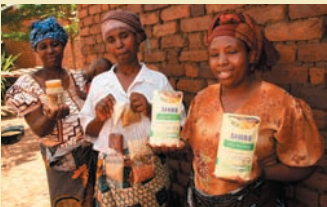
[
  {"x": 214, "y": 8},
  {"x": 290, "y": 191},
  {"x": 173, "y": 69},
  {"x": 105, "y": 7},
  {"x": 299, "y": 30},
  {"x": 195, "y": 40},
  {"x": 99, "y": 48},
  {"x": 323, "y": 200},
  {"x": 307, "y": 197},
  {"x": 99, "y": 38},
  {"x": 315, "y": 97},
  {"x": 97, "y": 18},
  {"x": 287, "y": 53},
  {"x": 194, "y": 55},
  {"x": 84, "y": 5},
  {"x": 317, "y": 76},
  {"x": 81, "y": 23},
  {"x": 186, "y": 167},
  {"x": 172, "y": 82},
  {"x": 85, "y": 49},
  {"x": 319, "y": 117},
  {"x": 295, "y": 203},
  {"x": 180, "y": 190},
  {"x": 95, "y": 29},
  {"x": 197, "y": 10},
  {"x": 287, "y": 74},
  {"x": 323, "y": 160},
  {"x": 312, "y": 52},
  {"x": 85, "y": 31},
  {"x": 205, "y": 71},
  {"x": 148, "y": 31},
  {"x": 154, "y": 44},
  {"x": 89, "y": 40},
  {"x": 173, "y": 56},
  {"x": 306, "y": 10},
  {"x": 175, "y": 12},
  {"x": 196, "y": 23},
  {"x": 172, "y": 163},
  {"x": 263, "y": 15},
  {"x": 82, "y": 13},
  {"x": 192, "y": 86},
  {"x": 88, "y": 20},
  {"x": 183, "y": 179},
  {"x": 151, "y": 7},
  {"x": 187, "y": 99},
  {"x": 149, "y": 18},
  {"x": 137, "y": 8},
  {"x": 173, "y": 41},
  {"x": 95, "y": 9},
  {"x": 317, "y": 181},
  {"x": 157, "y": 56},
  {"x": 191, "y": 70},
  {"x": 165, "y": 29}
]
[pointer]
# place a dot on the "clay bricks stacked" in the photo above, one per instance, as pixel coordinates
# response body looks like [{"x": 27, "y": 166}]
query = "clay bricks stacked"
[{"x": 178, "y": 48}]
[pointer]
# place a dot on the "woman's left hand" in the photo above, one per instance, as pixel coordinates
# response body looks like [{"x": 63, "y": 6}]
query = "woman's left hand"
[{"x": 138, "y": 102}]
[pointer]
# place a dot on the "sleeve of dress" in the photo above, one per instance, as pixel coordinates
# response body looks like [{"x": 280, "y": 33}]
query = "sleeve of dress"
[
  {"x": 23, "y": 96},
  {"x": 298, "y": 140}
]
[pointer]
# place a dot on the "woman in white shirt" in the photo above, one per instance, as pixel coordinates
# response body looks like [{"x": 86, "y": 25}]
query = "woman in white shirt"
[{"x": 131, "y": 83}]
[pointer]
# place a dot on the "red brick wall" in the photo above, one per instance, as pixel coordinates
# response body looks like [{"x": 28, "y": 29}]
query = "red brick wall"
[{"x": 177, "y": 35}]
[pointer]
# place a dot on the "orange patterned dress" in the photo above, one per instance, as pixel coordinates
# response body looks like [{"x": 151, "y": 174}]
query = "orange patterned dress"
[{"x": 287, "y": 134}]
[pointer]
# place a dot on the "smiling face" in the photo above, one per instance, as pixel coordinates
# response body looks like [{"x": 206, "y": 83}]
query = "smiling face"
[
  {"x": 229, "y": 61},
  {"x": 51, "y": 52},
  {"x": 122, "y": 44}
]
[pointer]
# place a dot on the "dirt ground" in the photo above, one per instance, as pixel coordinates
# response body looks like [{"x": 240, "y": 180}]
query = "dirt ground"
[{"x": 23, "y": 177}]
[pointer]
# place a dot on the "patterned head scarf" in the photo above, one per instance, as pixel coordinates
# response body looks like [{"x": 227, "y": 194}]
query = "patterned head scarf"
[
  {"x": 120, "y": 18},
  {"x": 48, "y": 28},
  {"x": 263, "y": 55}
]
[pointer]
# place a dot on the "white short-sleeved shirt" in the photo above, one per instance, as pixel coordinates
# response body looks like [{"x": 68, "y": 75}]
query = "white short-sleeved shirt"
[{"x": 107, "y": 83}]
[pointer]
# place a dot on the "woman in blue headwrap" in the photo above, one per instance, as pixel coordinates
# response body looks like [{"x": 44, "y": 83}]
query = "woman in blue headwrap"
[{"x": 67, "y": 155}]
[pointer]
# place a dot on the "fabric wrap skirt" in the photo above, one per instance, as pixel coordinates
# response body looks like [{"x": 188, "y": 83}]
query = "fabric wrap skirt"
[{"x": 72, "y": 186}]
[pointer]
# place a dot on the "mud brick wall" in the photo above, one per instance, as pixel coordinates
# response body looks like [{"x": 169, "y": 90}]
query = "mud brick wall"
[{"x": 177, "y": 35}]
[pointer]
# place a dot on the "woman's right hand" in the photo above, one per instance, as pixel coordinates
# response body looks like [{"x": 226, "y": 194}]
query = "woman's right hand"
[
  {"x": 57, "y": 112},
  {"x": 104, "y": 108}
]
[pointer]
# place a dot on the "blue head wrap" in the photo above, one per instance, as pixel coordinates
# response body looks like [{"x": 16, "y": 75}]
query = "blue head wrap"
[{"x": 48, "y": 28}]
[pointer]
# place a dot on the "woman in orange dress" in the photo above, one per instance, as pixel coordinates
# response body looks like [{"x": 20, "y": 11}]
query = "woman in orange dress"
[{"x": 288, "y": 144}]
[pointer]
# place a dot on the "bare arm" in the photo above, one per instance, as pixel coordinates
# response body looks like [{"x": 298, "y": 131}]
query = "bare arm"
[{"x": 43, "y": 124}]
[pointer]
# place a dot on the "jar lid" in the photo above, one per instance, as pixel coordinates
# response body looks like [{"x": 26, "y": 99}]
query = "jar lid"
[{"x": 55, "y": 83}]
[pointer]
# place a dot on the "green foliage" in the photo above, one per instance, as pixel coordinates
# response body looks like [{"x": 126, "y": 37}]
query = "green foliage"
[
  {"x": 14, "y": 19},
  {"x": 7, "y": 63}
]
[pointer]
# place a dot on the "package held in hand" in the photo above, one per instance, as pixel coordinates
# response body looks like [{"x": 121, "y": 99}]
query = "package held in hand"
[
  {"x": 238, "y": 137},
  {"x": 166, "y": 117}
]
